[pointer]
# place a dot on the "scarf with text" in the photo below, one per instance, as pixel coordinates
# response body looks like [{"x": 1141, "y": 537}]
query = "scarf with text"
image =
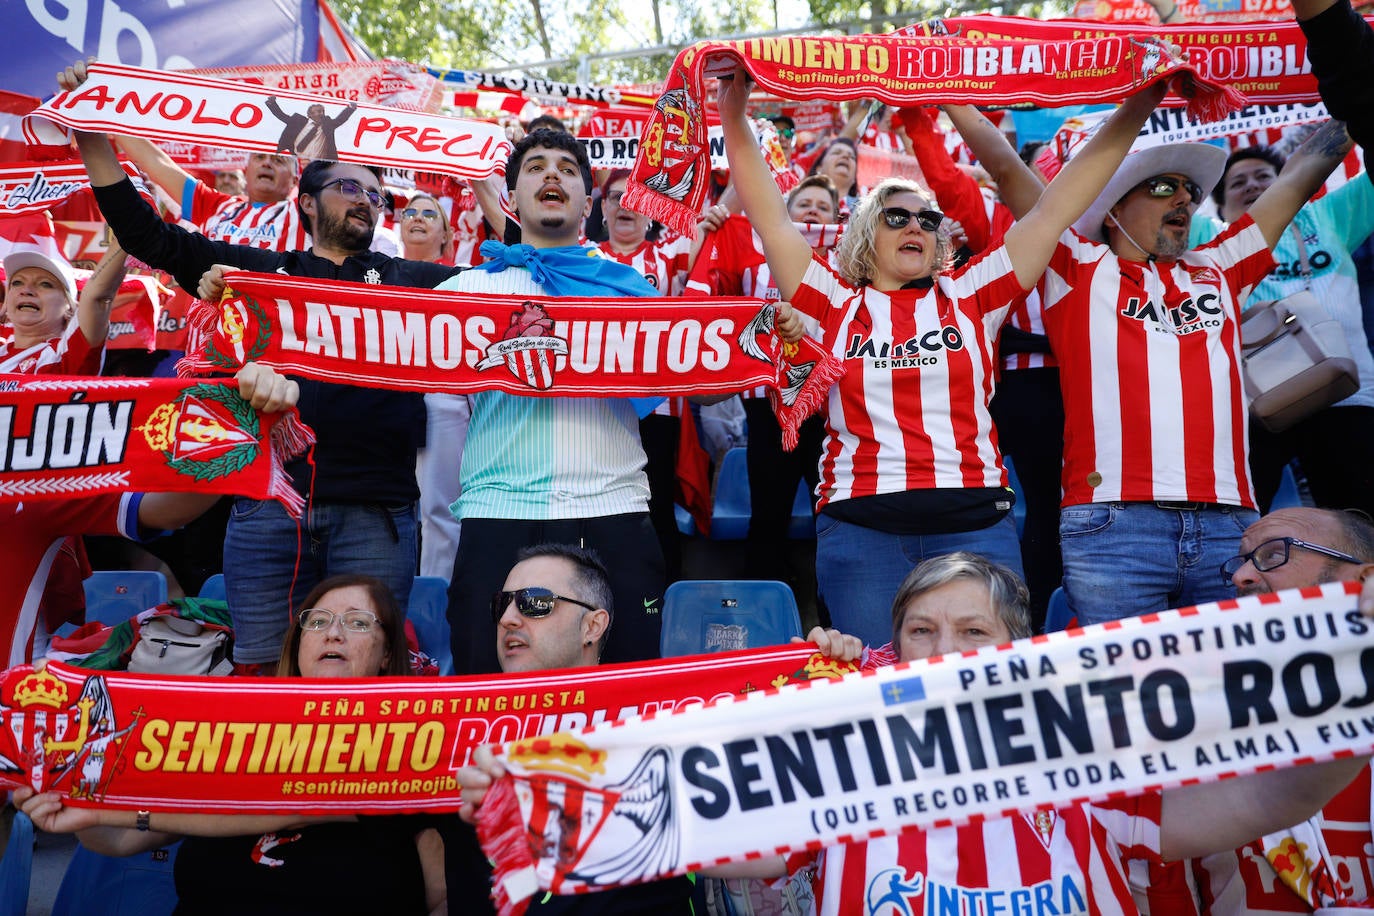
[
  {"x": 456, "y": 343},
  {"x": 1267, "y": 61},
  {"x": 358, "y": 745},
  {"x": 65, "y": 437},
  {"x": 668, "y": 181},
  {"x": 582, "y": 94},
  {"x": 393, "y": 83},
  {"x": 184, "y": 106},
  {"x": 1133, "y": 706}
]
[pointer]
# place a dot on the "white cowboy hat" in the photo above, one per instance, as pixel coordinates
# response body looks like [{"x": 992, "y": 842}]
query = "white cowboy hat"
[{"x": 1201, "y": 162}]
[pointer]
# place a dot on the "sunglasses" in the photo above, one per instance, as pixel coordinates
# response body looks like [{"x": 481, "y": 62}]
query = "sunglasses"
[
  {"x": 1168, "y": 185},
  {"x": 898, "y": 217},
  {"x": 355, "y": 192},
  {"x": 412, "y": 213},
  {"x": 787, "y": 133},
  {"x": 533, "y": 603}
]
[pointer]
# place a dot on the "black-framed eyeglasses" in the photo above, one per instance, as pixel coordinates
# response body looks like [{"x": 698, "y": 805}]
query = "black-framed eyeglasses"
[
  {"x": 354, "y": 621},
  {"x": 534, "y": 602},
  {"x": 1274, "y": 553},
  {"x": 1168, "y": 185},
  {"x": 898, "y": 217},
  {"x": 412, "y": 213},
  {"x": 355, "y": 192}
]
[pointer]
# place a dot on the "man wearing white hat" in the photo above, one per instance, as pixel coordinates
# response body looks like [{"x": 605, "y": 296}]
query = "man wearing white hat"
[{"x": 1156, "y": 478}]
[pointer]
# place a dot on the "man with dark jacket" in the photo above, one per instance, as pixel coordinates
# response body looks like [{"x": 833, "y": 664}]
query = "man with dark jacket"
[{"x": 361, "y": 486}]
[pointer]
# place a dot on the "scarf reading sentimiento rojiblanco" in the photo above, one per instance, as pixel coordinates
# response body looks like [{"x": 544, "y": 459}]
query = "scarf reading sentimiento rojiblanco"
[
  {"x": 668, "y": 181},
  {"x": 456, "y": 343},
  {"x": 66, "y": 437},
  {"x": 193, "y": 108},
  {"x": 1119, "y": 709}
]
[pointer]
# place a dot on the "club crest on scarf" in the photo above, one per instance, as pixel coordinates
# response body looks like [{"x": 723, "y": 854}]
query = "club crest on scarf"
[
  {"x": 632, "y": 820},
  {"x": 209, "y": 431},
  {"x": 672, "y": 143},
  {"x": 52, "y": 742},
  {"x": 528, "y": 348}
]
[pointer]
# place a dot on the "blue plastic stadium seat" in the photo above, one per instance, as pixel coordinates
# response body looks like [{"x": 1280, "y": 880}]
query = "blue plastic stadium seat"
[
  {"x": 686, "y": 525},
  {"x": 138, "y": 885},
  {"x": 730, "y": 512},
  {"x": 803, "y": 524},
  {"x": 213, "y": 588},
  {"x": 718, "y": 615},
  {"x": 113, "y": 596},
  {"x": 1057, "y": 615},
  {"x": 1287, "y": 495},
  {"x": 16, "y": 868},
  {"x": 428, "y": 614}
]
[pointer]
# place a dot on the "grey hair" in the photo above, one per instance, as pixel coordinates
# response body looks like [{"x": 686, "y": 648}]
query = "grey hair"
[
  {"x": 1008, "y": 594},
  {"x": 854, "y": 256}
]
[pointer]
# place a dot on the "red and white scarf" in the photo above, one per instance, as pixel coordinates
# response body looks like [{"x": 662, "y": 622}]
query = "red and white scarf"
[
  {"x": 183, "y": 106},
  {"x": 357, "y": 745},
  {"x": 668, "y": 181},
  {"x": 1137, "y": 705},
  {"x": 65, "y": 437},
  {"x": 437, "y": 341}
]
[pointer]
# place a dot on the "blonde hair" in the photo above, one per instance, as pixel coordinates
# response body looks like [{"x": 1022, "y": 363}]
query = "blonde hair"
[{"x": 854, "y": 256}]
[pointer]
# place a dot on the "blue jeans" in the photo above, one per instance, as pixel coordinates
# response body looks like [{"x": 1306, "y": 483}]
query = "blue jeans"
[
  {"x": 1127, "y": 559},
  {"x": 859, "y": 570},
  {"x": 271, "y": 562}
]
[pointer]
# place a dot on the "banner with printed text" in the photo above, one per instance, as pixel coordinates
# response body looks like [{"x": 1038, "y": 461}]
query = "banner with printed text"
[
  {"x": 64, "y": 437},
  {"x": 1199, "y": 694},
  {"x": 254, "y": 745},
  {"x": 170, "y": 106},
  {"x": 391, "y": 83}
]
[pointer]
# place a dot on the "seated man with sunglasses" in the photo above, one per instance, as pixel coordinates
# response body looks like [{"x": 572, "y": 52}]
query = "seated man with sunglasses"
[
  {"x": 553, "y": 611},
  {"x": 360, "y": 483},
  {"x": 1156, "y": 476}
]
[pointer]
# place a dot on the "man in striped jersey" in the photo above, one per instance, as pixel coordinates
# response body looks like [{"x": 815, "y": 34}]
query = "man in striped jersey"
[
  {"x": 264, "y": 216},
  {"x": 1156, "y": 477},
  {"x": 539, "y": 469}
]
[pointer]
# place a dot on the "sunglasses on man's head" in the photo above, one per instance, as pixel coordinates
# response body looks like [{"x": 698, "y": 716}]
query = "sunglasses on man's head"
[
  {"x": 1168, "y": 185},
  {"x": 427, "y": 213},
  {"x": 898, "y": 217},
  {"x": 532, "y": 602}
]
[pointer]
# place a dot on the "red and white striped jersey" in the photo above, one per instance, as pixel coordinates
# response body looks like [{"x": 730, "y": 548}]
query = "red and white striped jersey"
[
  {"x": 224, "y": 217},
  {"x": 664, "y": 263},
  {"x": 69, "y": 354},
  {"x": 1326, "y": 861},
  {"x": 911, "y": 411},
  {"x": 1071, "y": 861},
  {"x": 1149, "y": 363}
]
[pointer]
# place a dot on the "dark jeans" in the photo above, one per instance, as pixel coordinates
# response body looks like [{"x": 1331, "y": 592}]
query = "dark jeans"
[
  {"x": 1335, "y": 447},
  {"x": 1029, "y": 412}
]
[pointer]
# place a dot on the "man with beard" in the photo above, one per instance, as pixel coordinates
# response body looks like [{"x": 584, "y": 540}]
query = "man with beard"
[
  {"x": 1147, "y": 333},
  {"x": 536, "y": 469},
  {"x": 361, "y": 487}
]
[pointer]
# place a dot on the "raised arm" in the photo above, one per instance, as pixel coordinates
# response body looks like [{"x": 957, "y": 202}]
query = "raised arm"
[
  {"x": 1017, "y": 185},
  {"x": 1302, "y": 176},
  {"x": 785, "y": 248},
  {"x": 1031, "y": 241},
  {"x": 97, "y": 296},
  {"x": 152, "y": 159}
]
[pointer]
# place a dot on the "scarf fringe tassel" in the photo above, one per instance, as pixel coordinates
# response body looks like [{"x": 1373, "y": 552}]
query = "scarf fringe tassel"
[{"x": 502, "y": 832}]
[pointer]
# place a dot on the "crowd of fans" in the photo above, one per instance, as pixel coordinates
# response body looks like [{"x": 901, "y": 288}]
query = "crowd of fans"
[{"x": 1087, "y": 326}]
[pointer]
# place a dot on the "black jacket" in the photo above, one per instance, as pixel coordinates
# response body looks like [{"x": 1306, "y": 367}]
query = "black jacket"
[{"x": 366, "y": 437}]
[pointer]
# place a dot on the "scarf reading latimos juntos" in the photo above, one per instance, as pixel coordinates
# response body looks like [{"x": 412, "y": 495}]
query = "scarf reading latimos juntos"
[
  {"x": 65, "y": 437},
  {"x": 1121, "y": 709},
  {"x": 668, "y": 181},
  {"x": 456, "y": 343}
]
